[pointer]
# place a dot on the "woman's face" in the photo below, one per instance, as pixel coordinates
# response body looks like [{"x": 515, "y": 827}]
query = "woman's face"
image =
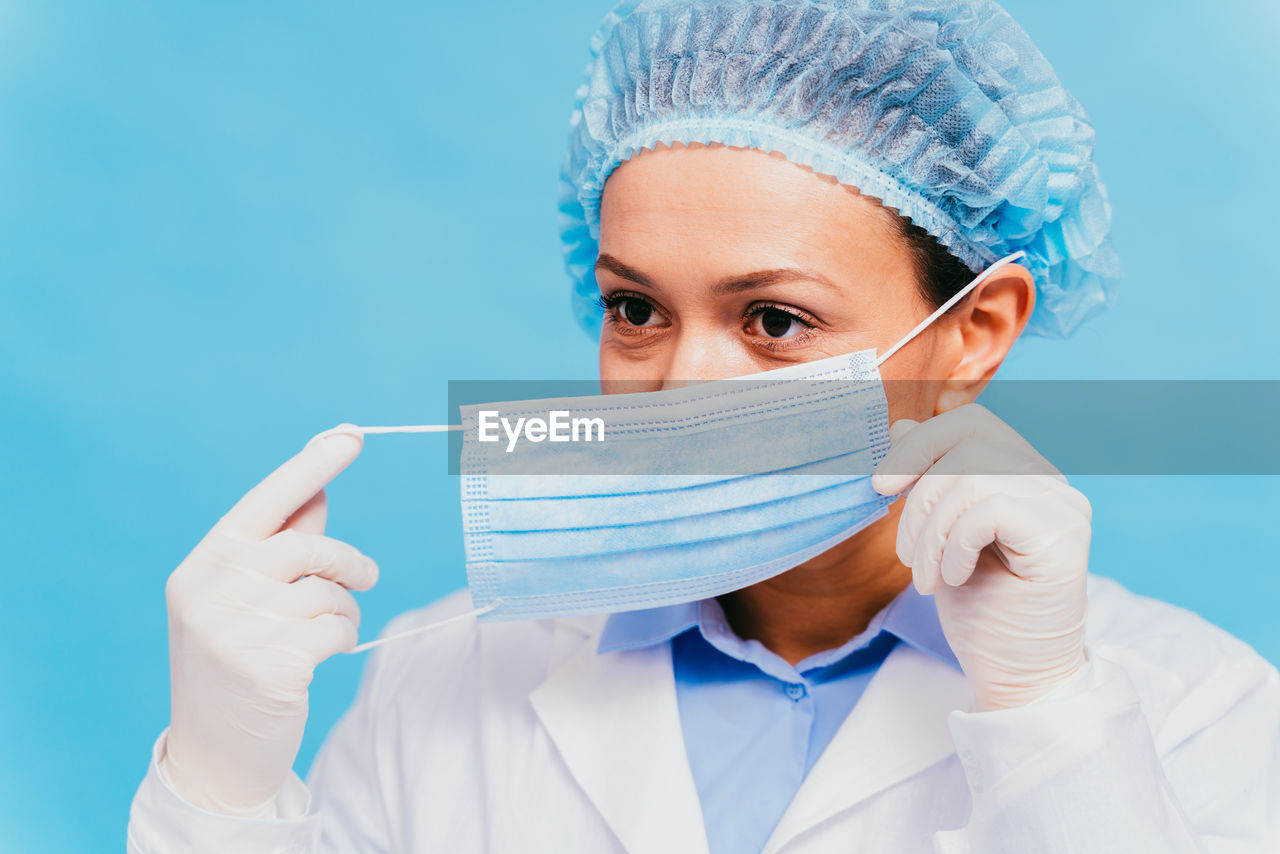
[{"x": 718, "y": 262}]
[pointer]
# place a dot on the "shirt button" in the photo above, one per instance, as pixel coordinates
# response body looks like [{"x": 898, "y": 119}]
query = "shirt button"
[{"x": 795, "y": 691}]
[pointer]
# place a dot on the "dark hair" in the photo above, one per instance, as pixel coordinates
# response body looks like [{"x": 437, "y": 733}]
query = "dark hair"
[{"x": 940, "y": 274}]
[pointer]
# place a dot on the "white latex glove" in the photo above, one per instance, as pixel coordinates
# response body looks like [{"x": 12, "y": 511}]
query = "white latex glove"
[
  {"x": 258, "y": 603},
  {"x": 994, "y": 532}
]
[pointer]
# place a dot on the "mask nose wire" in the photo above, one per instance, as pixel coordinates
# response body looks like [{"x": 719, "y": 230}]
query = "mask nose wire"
[{"x": 946, "y": 306}]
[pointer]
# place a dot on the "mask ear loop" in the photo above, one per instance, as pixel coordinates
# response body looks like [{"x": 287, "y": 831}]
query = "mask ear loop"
[
  {"x": 355, "y": 429},
  {"x": 946, "y": 306},
  {"x": 367, "y": 645}
]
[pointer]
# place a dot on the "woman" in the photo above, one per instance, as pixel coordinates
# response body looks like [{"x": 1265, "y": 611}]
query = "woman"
[{"x": 751, "y": 185}]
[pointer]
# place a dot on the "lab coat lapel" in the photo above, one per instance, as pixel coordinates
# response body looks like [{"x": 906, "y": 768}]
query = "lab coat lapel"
[
  {"x": 897, "y": 729},
  {"x": 614, "y": 719}
]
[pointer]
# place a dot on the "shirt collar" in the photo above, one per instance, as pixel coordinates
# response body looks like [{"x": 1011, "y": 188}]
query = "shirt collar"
[
  {"x": 652, "y": 626},
  {"x": 909, "y": 616}
]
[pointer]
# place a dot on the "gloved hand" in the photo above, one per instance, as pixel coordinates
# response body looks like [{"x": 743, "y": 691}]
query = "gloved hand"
[
  {"x": 258, "y": 603},
  {"x": 994, "y": 532}
]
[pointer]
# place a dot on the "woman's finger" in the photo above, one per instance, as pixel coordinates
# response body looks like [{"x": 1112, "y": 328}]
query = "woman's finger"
[
  {"x": 922, "y": 446},
  {"x": 310, "y": 518},
  {"x": 974, "y": 530},
  {"x": 919, "y": 499},
  {"x": 922, "y": 497},
  {"x": 1031, "y": 533},
  {"x": 311, "y": 596},
  {"x": 291, "y": 554},
  {"x": 268, "y": 506},
  {"x": 1076, "y": 499},
  {"x": 962, "y": 493},
  {"x": 327, "y": 635}
]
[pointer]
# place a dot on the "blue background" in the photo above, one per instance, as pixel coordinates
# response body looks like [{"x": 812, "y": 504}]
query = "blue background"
[{"x": 227, "y": 226}]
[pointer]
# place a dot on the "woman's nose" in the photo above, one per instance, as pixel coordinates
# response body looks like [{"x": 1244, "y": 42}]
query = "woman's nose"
[{"x": 699, "y": 358}]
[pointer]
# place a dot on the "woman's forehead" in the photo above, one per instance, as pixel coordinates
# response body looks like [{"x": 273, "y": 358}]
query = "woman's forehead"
[
  {"x": 735, "y": 207},
  {"x": 728, "y": 179}
]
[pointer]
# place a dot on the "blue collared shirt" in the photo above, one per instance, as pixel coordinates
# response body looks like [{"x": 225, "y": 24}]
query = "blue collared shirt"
[{"x": 753, "y": 724}]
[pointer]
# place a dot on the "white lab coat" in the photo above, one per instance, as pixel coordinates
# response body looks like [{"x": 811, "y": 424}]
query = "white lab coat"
[{"x": 519, "y": 737}]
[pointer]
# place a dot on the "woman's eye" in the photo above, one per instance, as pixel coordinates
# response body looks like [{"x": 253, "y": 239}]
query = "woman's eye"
[
  {"x": 634, "y": 311},
  {"x": 631, "y": 311},
  {"x": 771, "y": 322}
]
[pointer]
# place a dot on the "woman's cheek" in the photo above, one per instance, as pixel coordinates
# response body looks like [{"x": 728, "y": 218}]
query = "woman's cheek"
[
  {"x": 911, "y": 398},
  {"x": 624, "y": 369}
]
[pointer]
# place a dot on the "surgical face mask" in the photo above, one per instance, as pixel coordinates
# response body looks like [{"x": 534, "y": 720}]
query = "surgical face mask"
[{"x": 603, "y": 503}]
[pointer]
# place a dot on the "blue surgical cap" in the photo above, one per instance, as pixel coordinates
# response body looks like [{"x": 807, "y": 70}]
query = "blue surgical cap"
[{"x": 944, "y": 111}]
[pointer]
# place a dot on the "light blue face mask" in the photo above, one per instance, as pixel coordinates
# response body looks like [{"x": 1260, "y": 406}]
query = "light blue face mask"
[{"x": 630, "y": 501}]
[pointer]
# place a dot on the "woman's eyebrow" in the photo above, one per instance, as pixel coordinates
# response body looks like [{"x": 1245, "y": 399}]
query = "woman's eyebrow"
[
  {"x": 730, "y": 285},
  {"x": 607, "y": 262},
  {"x": 764, "y": 278}
]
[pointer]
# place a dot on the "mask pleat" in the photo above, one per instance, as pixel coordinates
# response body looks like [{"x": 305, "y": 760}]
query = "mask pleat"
[{"x": 649, "y": 578}]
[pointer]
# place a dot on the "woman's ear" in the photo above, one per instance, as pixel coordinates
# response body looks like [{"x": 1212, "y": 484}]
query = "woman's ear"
[{"x": 988, "y": 322}]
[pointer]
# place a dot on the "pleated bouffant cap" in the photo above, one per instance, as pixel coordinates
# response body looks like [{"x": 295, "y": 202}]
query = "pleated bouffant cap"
[{"x": 945, "y": 111}]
